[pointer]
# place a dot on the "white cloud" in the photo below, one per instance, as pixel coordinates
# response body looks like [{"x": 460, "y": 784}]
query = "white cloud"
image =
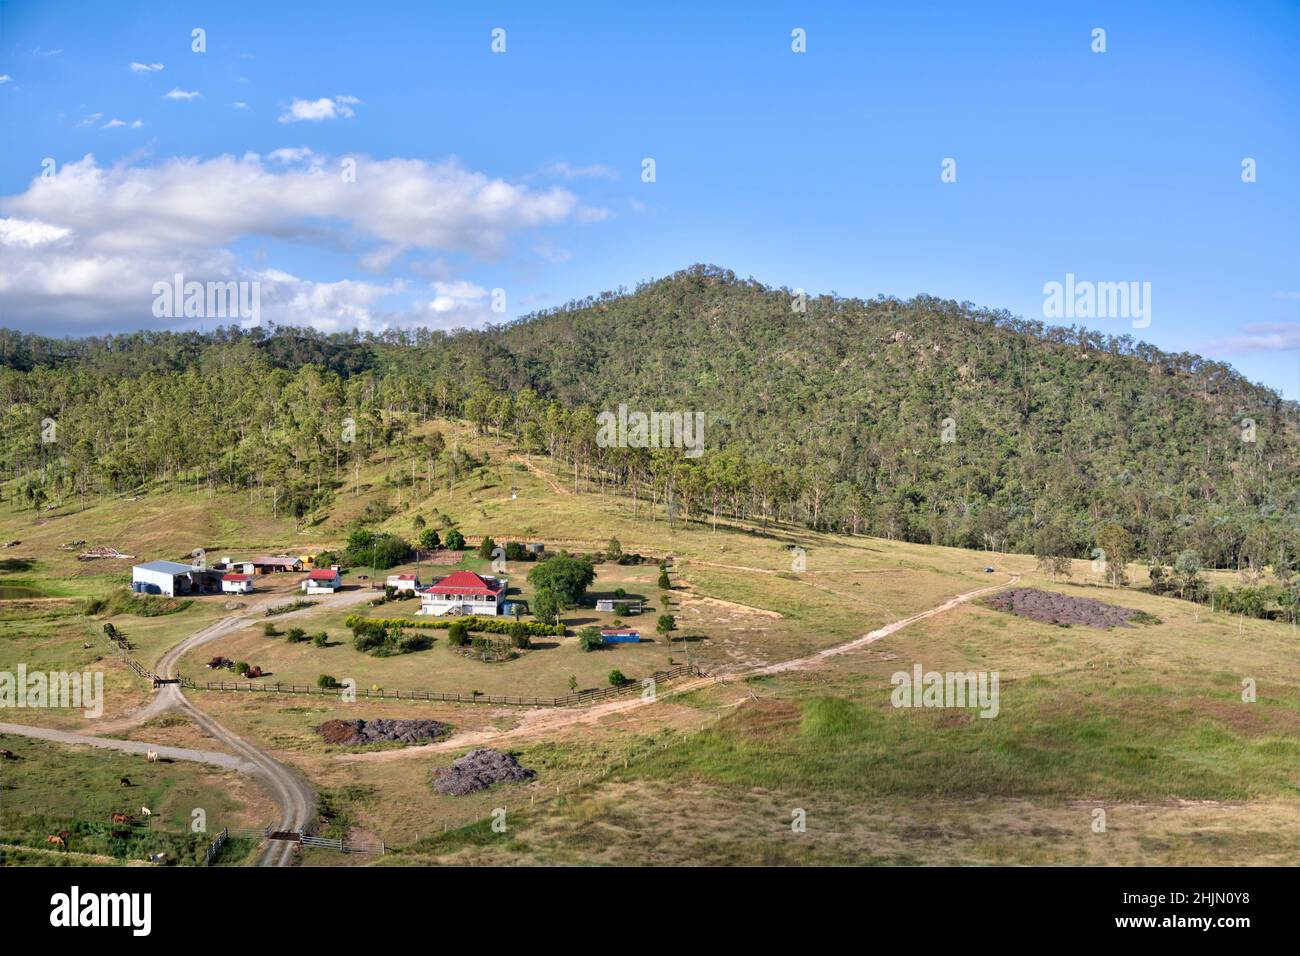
[
  {"x": 90, "y": 120},
  {"x": 185, "y": 95},
  {"x": 115, "y": 123},
  {"x": 82, "y": 250},
  {"x": 1258, "y": 337},
  {"x": 145, "y": 67},
  {"x": 5, "y": 78},
  {"x": 289, "y": 154},
  {"x": 313, "y": 111},
  {"x": 239, "y": 105},
  {"x": 29, "y": 233}
]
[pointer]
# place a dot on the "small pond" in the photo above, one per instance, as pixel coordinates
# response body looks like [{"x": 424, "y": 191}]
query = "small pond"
[{"x": 14, "y": 592}]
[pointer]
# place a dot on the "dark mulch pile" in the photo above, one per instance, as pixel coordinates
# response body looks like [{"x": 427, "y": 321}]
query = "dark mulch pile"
[
  {"x": 1052, "y": 608},
  {"x": 478, "y": 770},
  {"x": 353, "y": 732}
]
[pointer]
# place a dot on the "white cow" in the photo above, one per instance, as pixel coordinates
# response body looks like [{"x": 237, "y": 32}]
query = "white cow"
[
  {"x": 152, "y": 756},
  {"x": 146, "y": 812}
]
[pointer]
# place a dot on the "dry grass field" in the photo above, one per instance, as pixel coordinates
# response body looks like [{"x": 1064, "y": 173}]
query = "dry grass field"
[{"x": 1146, "y": 723}]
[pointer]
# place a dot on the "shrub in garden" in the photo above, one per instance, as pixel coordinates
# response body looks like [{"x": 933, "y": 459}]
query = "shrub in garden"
[
  {"x": 616, "y": 678},
  {"x": 325, "y": 680},
  {"x": 457, "y": 634},
  {"x": 589, "y": 639}
]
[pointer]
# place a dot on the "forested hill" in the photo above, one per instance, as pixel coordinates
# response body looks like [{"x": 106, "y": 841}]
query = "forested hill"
[{"x": 925, "y": 419}]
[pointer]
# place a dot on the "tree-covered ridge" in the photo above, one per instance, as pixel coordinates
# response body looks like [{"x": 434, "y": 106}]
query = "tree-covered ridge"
[{"x": 833, "y": 416}]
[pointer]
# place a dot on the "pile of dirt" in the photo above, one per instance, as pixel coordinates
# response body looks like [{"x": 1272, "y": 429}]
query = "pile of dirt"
[
  {"x": 478, "y": 770},
  {"x": 351, "y": 733},
  {"x": 1052, "y": 608}
]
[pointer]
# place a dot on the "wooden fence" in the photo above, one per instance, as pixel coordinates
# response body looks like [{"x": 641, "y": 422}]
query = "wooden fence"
[{"x": 578, "y": 697}]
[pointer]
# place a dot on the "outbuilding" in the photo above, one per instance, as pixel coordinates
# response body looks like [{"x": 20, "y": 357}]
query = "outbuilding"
[
  {"x": 619, "y": 635},
  {"x": 236, "y": 583},
  {"x": 172, "y": 578},
  {"x": 403, "y": 582},
  {"x": 269, "y": 564}
]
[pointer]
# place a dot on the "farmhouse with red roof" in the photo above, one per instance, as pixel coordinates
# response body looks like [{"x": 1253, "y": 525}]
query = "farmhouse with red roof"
[
  {"x": 322, "y": 581},
  {"x": 464, "y": 592}
]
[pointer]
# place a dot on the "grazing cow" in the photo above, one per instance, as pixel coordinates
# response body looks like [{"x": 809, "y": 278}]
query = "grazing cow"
[
  {"x": 124, "y": 781},
  {"x": 152, "y": 756},
  {"x": 57, "y": 839},
  {"x": 146, "y": 812},
  {"x": 157, "y": 857},
  {"x": 119, "y": 834},
  {"x": 8, "y": 754},
  {"x": 122, "y": 818}
]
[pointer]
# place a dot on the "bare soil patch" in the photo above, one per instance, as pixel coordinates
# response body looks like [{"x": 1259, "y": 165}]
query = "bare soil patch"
[
  {"x": 478, "y": 770},
  {"x": 1053, "y": 608},
  {"x": 351, "y": 733}
]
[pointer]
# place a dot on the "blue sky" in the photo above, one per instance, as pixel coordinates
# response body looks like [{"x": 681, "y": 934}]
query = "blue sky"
[{"x": 521, "y": 171}]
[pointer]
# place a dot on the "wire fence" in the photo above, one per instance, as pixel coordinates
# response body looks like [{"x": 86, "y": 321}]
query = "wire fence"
[{"x": 645, "y": 685}]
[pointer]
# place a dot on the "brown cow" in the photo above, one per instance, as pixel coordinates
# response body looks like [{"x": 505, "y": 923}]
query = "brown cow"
[
  {"x": 124, "y": 781},
  {"x": 57, "y": 839},
  {"x": 119, "y": 834},
  {"x": 122, "y": 818},
  {"x": 8, "y": 754}
]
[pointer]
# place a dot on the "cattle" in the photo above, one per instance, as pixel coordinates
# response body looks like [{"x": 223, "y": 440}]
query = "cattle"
[
  {"x": 146, "y": 812},
  {"x": 58, "y": 839},
  {"x": 122, "y": 818},
  {"x": 124, "y": 781},
  {"x": 8, "y": 754},
  {"x": 119, "y": 834},
  {"x": 157, "y": 857},
  {"x": 152, "y": 756}
]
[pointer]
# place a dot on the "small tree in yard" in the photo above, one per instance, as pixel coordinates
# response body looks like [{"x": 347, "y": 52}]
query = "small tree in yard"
[
  {"x": 546, "y": 606},
  {"x": 321, "y": 639},
  {"x": 326, "y": 681},
  {"x": 241, "y": 668},
  {"x": 486, "y": 547},
  {"x": 664, "y": 583},
  {"x": 458, "y": 634},
  {"x": 1116, "y": 545},
  {"x": 616, "y": 678},
  {"x": 1186, "y": 570},
  {"x": 667, "y": 624},
  {"x": 429, "y": 539},
  {"x": 614, "y": 548},
  {"x": 519, "y": 636},
  {"x": 455, "y": 540},
  {"x": 573, "y": 683},
  {"x": 589, "y": 639}
]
